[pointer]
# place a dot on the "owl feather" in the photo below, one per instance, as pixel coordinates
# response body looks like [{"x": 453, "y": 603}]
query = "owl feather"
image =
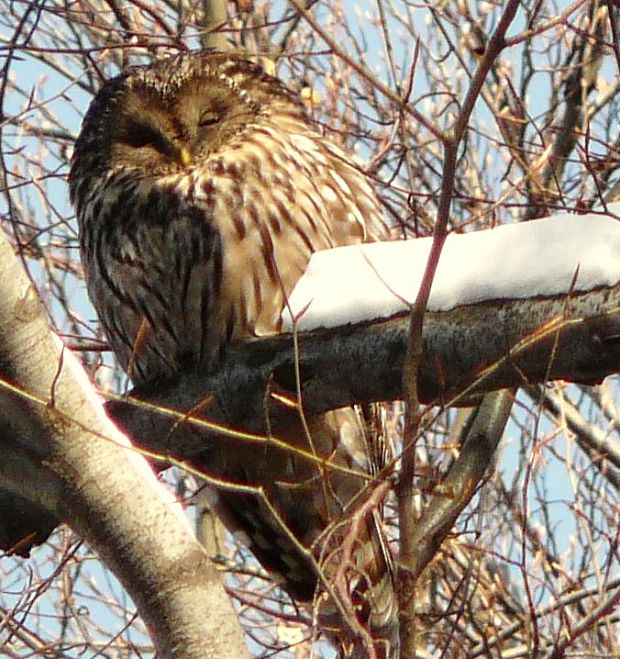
[{"x": 201, "y": 190}]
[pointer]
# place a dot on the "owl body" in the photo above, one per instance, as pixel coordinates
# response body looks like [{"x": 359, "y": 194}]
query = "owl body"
[
  {"x": 201, "y": 191},
  {"x": 172, "y": 283}
]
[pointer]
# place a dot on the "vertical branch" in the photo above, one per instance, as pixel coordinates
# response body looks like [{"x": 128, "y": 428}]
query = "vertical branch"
[
  {"x": 406, "y": 490},
  {"x": 578, "y": 85},
  {"x": 214, "y": 17}
]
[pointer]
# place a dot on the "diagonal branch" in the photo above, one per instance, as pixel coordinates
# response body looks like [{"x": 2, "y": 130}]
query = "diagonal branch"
[{"x": 60, "y": 451}]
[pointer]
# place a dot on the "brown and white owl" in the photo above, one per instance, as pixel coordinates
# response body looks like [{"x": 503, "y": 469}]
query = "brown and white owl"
[{"x": 201, "y": 190}]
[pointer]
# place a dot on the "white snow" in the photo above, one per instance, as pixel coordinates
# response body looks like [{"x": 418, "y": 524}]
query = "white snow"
[
  {"x": 135, "y": 458},
  {"x": 364, "y": 282}
]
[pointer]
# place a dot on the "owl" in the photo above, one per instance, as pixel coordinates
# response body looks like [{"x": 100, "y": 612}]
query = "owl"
[{"x": 201, "y": 190}]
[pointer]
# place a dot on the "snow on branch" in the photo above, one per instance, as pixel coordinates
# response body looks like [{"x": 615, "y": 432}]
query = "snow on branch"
[{"x": 558, "y": 255}]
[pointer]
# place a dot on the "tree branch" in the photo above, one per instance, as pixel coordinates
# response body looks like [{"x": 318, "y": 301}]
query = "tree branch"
[
  {"x": 467, "y": 352},
  {"x": 61, "y": 452}
]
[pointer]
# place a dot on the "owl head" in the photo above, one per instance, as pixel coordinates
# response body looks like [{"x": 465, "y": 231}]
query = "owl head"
[{"x": 163, "y": 118}]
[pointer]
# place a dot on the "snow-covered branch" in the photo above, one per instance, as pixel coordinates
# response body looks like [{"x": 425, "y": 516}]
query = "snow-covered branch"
[
  {"x": 562, "y": 254},
  {"x": 516, "y": 305}
]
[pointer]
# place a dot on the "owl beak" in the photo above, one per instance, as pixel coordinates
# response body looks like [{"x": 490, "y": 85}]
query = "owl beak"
[{"x": 185, "y": 157}]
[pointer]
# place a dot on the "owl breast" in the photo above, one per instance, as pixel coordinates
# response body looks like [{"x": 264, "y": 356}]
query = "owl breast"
[{"x": 179, "y": 266}]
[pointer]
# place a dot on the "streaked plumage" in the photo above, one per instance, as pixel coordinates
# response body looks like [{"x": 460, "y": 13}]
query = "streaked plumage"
[{"x": 201, "y": 190}]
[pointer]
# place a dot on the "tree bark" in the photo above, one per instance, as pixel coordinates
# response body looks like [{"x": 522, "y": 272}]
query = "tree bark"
[
  {"x": 468, "y": 351},
  {"x": 60, "y": 451}
]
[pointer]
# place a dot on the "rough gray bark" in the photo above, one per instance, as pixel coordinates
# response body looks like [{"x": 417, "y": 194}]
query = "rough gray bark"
[{"x": 467, "y": 352}]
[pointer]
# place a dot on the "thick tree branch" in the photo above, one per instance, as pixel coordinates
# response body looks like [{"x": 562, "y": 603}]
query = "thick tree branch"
[
  {"x": 467, "y": 352},
  {"x": 215, "y": 18},
  {"x": 61, "y": 452},
  {"x": 463, "y": 479}
]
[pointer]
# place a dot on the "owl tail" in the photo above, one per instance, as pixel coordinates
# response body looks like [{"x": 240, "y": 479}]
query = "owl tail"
[
  {"x": 354, "y": 595},
  {"x": 362, "y": 612},
  {"x": 308, "y": 504}
]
